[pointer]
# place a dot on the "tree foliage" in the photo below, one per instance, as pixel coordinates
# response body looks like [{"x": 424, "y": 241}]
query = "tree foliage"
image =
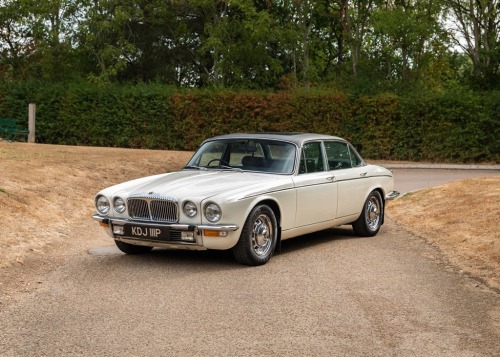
[
  {"x": 405, "y": 79},
  {"x": 477, "y": 31},
  {"x": 252, "y": 44}
]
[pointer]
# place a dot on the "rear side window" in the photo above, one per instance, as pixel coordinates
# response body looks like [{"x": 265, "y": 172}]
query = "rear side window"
[
  {"x": 311, "y": 159},
  {"x": 338, "y": 155}
]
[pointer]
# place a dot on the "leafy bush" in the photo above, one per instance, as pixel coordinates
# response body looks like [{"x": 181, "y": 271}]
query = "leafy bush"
[{"x": 455, "y": 125}]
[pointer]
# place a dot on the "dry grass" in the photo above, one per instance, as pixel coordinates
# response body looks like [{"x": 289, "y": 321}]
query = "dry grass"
[
  {"x": 461, "y": 218},
  {"x": 46, "y": 190}
]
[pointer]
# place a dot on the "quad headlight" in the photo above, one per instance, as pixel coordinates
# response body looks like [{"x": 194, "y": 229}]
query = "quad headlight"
[
  {"x": 102, "y": 204},
  {"x": 119, "y": 205},
  {"x": 213, "y": 213},
  {"x": 190, "y": 209}
]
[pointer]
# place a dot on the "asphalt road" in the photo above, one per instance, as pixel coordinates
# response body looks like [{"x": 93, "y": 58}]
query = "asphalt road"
[
  {"x": 407, "y": 180},
  {"x": 326, "y": 294}
]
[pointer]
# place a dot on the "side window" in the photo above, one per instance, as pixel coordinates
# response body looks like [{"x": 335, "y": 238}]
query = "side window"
[
  {"x": 356, "y": 160},
  {"x": 311, "y": 159},
  {"x": 337, "y": 154}
]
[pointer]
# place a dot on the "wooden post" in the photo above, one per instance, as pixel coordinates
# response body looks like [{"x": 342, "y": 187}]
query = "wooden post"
[{"x": 31, "y": 122}]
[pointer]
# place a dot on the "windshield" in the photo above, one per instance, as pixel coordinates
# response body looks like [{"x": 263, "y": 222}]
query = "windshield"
[{"x": 246, "y": 155}]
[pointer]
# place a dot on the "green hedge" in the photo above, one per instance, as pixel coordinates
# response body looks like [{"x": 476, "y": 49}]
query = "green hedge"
[{"x": 455, "y": 125}]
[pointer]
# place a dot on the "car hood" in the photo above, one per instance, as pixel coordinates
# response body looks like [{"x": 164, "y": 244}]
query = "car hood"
[{"x": 201, "y": 184}]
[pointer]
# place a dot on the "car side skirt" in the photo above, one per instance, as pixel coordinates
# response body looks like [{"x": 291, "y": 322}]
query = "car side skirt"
[{"x": 298, "y": 231}]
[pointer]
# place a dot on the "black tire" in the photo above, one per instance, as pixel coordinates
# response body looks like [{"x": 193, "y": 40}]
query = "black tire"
[
  {"x": 369, "y": 222},
  {"x": 132, "y": 248},
  {"x": 258, "y": 237}
]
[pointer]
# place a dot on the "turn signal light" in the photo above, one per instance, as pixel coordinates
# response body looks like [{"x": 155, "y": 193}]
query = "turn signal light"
[{"x": 208, "y": 233}]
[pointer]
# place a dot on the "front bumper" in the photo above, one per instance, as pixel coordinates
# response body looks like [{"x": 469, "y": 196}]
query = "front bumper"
[{"x": 180, "y": 234}]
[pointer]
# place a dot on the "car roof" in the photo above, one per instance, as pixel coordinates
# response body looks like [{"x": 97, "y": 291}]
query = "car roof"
[{"x": 296, "y": 138}]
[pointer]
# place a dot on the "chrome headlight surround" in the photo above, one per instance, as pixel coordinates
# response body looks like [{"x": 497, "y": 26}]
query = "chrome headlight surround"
[
  {"x": 212, "y": 212},
  {"x": 102, "y": 205},
  {"x": 119, "y": 205},
  {"x": 190, "y": 209}
]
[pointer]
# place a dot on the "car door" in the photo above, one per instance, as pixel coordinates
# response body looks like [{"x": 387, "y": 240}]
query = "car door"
[
  {"x": 351, "y": 176},
  {"x": 315, "y": 186}
]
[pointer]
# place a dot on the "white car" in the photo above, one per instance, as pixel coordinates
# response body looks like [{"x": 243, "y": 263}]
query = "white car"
[{"x": 248, "y": 192}]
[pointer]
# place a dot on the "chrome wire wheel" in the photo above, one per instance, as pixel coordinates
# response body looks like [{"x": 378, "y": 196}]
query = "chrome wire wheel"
[
  {"x": 373, "y": 213},
  {"x": 262, "y": 234}
]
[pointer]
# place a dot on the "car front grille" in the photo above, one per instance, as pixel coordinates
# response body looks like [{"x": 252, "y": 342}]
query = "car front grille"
[{"x": 155, "y": 209}]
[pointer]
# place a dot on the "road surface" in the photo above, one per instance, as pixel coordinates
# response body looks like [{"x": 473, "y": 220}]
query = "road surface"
[
  {"x": 326, "y": 294},
  {"x": 407, "y": 180}
]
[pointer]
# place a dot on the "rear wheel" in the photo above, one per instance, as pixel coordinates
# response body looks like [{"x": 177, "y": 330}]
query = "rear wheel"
[
  {"x": 132, "y": 248},
  {"x": 258, "y": 237},
  {"x": 369, "y": 222}
]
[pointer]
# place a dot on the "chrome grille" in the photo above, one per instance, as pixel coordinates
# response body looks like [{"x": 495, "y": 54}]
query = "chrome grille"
[
  {"x": 138, "y": 209},
  {"x": 164, "y": 211},
  {"x": 153, "y": 209}
]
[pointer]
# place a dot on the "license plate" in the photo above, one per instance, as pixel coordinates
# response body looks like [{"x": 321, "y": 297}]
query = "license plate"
[{"x": 147, "y": 232}]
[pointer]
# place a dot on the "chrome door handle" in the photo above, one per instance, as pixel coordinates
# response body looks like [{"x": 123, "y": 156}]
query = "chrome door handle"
[
  {"x": 332, "y": 178},
  {"x": 363, "y": 174}
]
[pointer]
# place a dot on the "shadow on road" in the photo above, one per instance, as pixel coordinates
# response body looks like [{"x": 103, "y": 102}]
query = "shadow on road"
[
  {"x": 214, "y": 259},
  {"x": 326, "y": 236}
]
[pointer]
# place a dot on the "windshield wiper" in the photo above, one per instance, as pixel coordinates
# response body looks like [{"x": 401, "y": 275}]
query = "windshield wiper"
[
  {"x": 230, "y": 168},
  {"x": 196, "y": 167}
]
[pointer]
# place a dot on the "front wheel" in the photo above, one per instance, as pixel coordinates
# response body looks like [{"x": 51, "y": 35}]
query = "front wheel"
[
  {"x": 258, "y": 237},
  {"x": 369, "y": 222},
  {"x": 132, "y": 248}
]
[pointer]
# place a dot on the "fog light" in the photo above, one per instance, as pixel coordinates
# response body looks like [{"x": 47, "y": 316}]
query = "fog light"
[
  {"x": 118, "y": 230},
  {"x": 187, "y": 236}
]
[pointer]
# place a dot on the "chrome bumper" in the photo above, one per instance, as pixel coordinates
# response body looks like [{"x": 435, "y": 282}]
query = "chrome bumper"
[
  {"x": 175, "y": 226},
  {"x": 392, "y": 195}
]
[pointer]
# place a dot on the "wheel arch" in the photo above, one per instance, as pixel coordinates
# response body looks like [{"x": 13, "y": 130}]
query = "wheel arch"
[
  {"x": 245, "y": 250},
  {"x": 380, "y": 190},
  {"x": 274, "y": 206},
  {"x": 382, "y": 195}
]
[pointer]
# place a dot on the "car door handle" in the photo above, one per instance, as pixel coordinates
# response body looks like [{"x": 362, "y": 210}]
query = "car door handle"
[
  {"x": 363, "y": 174},
  {"x": 331, "y": 178}
]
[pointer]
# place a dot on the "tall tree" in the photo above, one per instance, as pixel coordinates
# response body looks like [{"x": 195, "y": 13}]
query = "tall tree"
[
  {"x": 404, "y": 31},
  {"x": 477, "y": 31},
  {"x": 16, "y": 44},
  {"x": 38, "y": 36},
  {"x": 358, "y": 26},
  {"x": 237, "y": 43}
]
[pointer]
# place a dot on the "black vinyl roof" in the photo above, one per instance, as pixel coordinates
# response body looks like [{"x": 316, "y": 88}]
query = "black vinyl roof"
[{"x": 296, "y": 138}]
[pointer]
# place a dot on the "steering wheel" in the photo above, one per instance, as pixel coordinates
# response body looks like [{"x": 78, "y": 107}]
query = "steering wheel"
[{"x": 221, "y": 162}]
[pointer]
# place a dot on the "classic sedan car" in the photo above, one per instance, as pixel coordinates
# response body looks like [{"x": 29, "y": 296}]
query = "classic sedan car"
[{"x": 248, "y": 192}]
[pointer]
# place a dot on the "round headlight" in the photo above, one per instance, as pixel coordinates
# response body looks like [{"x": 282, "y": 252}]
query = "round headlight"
[
  {"x": 190, "y": 209},
  {"x": 213, "y": 212},
  {"x": 119, "y": 204},
  {"x": 102, "y": 205}
]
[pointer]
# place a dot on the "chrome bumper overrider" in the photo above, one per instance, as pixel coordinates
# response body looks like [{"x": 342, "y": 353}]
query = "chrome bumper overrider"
[{"x": 392, "y": 195}]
